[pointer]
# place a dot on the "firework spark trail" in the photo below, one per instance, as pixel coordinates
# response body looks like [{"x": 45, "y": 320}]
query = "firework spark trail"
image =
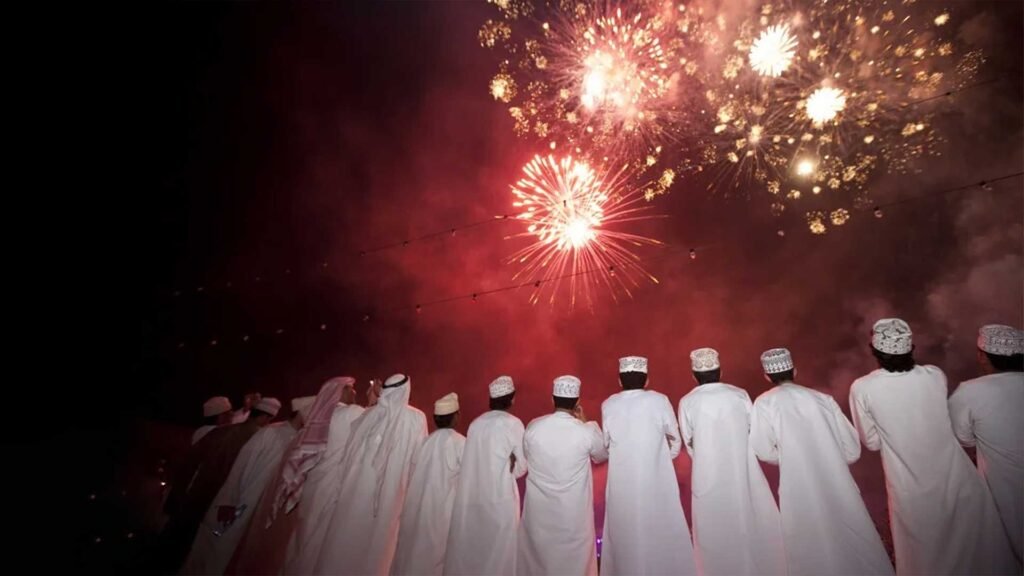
[{"x": 569, "y": 208}]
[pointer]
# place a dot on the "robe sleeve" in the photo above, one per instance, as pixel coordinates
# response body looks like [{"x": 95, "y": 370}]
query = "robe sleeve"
[
  {"x": 762, "y": 435},
  {"x": 453, "y": 456},
  {"x": 517, "y": 433},
  {"x": 598, "y": 450},
  {"x": 416, "y": 458},
  {"x": 844, "y": 432},
  {"x": 750, "y": 407},
  {"x": 686, "y": 429},
  {"x": 960, "y": 414},
  {"x": 604, "y": 429},
  {"x": 671, "y": 429},
  {"x": 863, "y": 421}
]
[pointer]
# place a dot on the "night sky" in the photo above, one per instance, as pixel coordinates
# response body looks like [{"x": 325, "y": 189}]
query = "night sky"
[{"x": 263, "y": 140}]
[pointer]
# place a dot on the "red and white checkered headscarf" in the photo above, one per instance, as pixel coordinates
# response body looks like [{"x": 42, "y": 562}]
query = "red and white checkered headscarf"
[{"x": 310, "y": 446}]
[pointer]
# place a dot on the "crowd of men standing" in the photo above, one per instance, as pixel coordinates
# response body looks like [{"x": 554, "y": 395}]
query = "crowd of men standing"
[{"x": 339, "y": 489}]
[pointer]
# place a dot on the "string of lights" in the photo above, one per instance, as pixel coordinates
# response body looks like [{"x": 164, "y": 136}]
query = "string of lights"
[
  {"x": 692, "y": 252},
  {"x": 453, "y": 231}
]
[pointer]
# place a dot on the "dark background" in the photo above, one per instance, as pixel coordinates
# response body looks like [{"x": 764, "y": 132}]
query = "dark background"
[{"x": 178, "y": 148}]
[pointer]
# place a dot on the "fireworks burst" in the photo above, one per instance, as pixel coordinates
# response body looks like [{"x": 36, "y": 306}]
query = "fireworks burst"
[
  {"x": 824, "y": 104},
  {"x": 570, "y": 208},
  {"x": 801, "y": 100},
  {"x": 594, "y": 78},
  {"x": 828, "y": 98},
  {"x": 773, "y": 51}
]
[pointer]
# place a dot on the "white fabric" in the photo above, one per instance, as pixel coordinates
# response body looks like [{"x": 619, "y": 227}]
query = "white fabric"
[
  {"x": 269, "y": 405},
  {"x": 825, "y": 526},
  {"x": 239, "y": 416},
  {"x": 704, "y": 359},
  {"x": 363, "y": 529},
  {"x": 633, "y": 364},
  {"x": 253, "y": 468},
  {"x": 448, "y": 404},
  {"x": 485, "y": 517},
  {"x": 892, "y": 336},
  {"x": 1001, "y": 340},
  {"x": 320, "y": 490},
  {"x": 566, "y": 387},
  {"x": 942, "y": 515},
  {"x": 987, "y": 413},
  {"x": 427, "y": 515},
  {"x": 645, "y": 531},
  {"x": 556, "y": 535},
  {"x": 302, "y": 405},
  {"x": 215, "y": 406},
  {"x": 201, "y": 431},
  {"x": 501, "y": 386},
  {"x": 776, "y": 360},
  {"x": 736, "y": 524}
]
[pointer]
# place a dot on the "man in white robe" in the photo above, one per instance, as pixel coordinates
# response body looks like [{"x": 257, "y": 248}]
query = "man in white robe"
[
  {"x": 988, "y": 412},
  {"x": 313, "y": 513},
  {"x": 485, "y": 517},
  {"x": 216, "y": 412},
  {"x": 363, "y": 530},
  {"x": 556, "y": 535},
  {"x": 943, "y": 518},
  {"x": 233, "y": 507},
  {"x": 427, "y": 515},
  {"x": 736, "y": 525},
  {"x": 825, "y": 525},
  {"x": 262, "y": 550},
  {"x": 645, "y": 530}
]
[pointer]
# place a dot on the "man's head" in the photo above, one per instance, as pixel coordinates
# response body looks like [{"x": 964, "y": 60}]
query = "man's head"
[
  {"x": 892, "y": 345},
  {"x": 251, "y": 399},
  {"x": 446, "y": 411},
  {"x": 778, "y": 365},
  {"x": 1000, "y": 348},
  {"x": 264, "y": 411},
  {"x": 705, "y": 365},
  {"x": 633, "y": 372},
  {"x": 565, "y": 393},
  {"x": 217, "y": 411},
  {"x": 502, "y": 393},
  {"x": 300, "y": 410}
]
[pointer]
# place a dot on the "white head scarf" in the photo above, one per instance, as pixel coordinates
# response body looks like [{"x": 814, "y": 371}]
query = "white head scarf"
[{"x": 383, "y": 421}]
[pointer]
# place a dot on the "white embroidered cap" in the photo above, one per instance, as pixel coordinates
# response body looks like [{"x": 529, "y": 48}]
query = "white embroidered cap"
[
  {"x": 567, "y": 387},
  {"x": 892, "y": 336},
  {"x": 448, "y": 404},
  {"x": 502, "y": 386},
  {"x": 1001, "y": 340},
  {"x": 216, "y": 406},
  {"x": 704, "y": 359},
  {"x": 302, "y": 405},
  {"x": 776, "y": 360},
  {"x": 633, "y": 364},
  {"x": 269, "y": 405}
]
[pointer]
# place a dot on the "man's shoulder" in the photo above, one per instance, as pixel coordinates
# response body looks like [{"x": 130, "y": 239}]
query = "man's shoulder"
[
  {"x": 413, "y": 412},
  {"x": 770, "y": 396},
  {"x": 865, "y": 382}
]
